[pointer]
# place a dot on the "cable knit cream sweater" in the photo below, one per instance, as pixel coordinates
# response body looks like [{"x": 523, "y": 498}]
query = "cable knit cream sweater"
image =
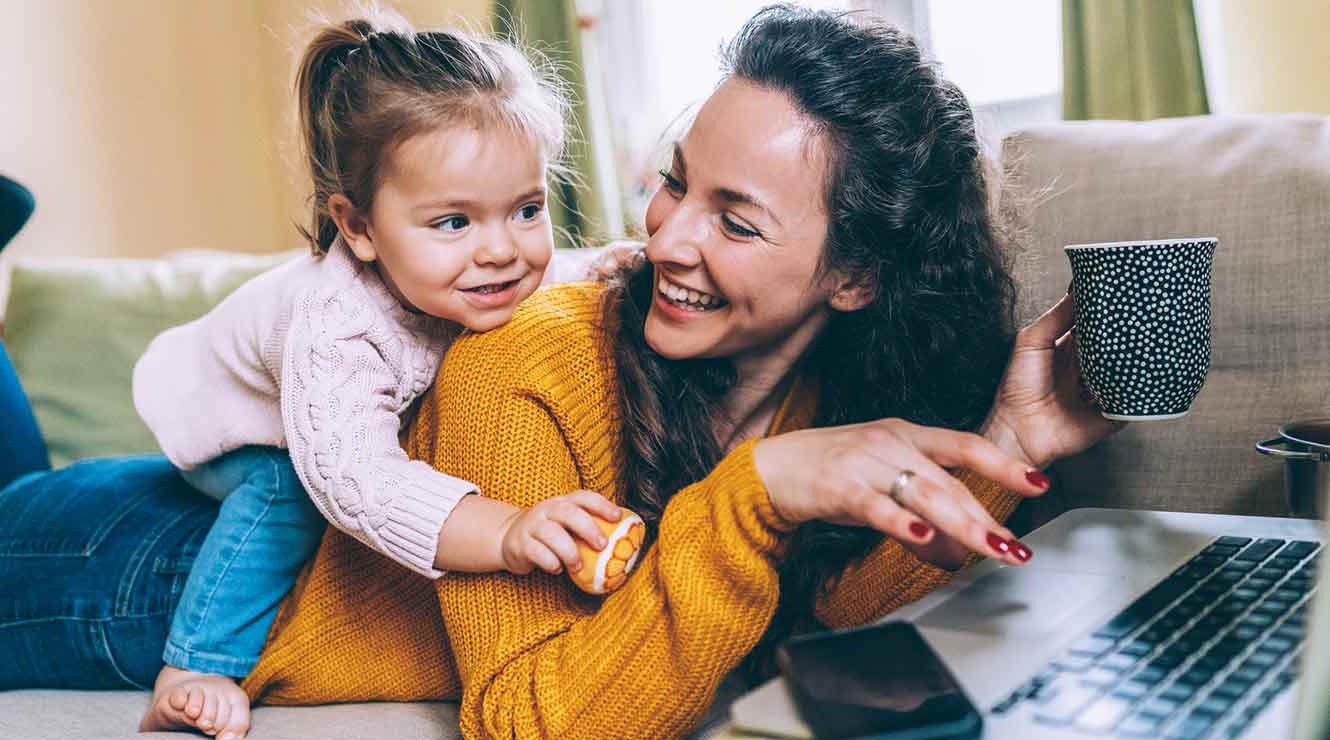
[{"x": 318, "y": 357}]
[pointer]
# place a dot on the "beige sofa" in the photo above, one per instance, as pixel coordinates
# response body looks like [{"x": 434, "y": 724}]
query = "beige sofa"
[{"x": 1261, "y": 184}]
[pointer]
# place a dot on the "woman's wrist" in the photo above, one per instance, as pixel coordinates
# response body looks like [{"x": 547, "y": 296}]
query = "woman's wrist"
[
  {"x": 996, "y": 430},
  {"x": 769, "y": 462}
]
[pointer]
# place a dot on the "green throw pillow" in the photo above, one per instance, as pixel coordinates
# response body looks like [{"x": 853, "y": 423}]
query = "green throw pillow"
[{"x": 74, "y": 329}]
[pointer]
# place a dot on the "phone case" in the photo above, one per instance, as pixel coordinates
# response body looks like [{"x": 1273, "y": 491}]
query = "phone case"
[{"x": 828, "y": 719}]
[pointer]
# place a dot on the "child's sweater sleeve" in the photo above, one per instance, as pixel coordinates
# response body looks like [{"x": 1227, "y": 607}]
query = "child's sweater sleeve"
[{"x": 346, "y": 378}]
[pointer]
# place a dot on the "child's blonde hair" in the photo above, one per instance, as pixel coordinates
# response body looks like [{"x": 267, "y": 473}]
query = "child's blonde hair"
[{"x": 366, "y": 86}]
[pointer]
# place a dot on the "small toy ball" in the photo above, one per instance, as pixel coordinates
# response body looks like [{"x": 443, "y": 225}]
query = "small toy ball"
[{"x": 604, "y": 570}]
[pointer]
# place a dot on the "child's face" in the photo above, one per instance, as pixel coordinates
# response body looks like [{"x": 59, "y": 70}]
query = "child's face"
[{"x": 458, "y": 225}]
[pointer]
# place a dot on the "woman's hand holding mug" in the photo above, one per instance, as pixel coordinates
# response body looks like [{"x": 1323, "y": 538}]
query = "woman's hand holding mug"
[{"x": 1043, "y": 412}]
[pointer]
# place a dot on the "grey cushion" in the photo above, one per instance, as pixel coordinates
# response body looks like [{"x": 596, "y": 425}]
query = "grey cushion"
[
  {"x": 1262, "y": 185},
  {"x": 102, "y": 715}
]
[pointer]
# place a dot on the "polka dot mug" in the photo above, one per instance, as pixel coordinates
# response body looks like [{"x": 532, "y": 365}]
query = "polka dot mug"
[{"x": 1143, "y": 324}]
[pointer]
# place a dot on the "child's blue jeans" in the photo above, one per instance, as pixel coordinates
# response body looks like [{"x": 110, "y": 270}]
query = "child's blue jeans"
[{"x": 266, "y": 529}]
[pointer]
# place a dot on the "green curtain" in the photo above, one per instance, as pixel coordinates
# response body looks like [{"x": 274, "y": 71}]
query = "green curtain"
[
  {"x": 1131, "y": 59},
  {"x": 550, "y": 26}
]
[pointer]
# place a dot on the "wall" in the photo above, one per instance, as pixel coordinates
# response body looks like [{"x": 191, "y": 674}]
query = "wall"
[
  {"x": 1266, "y": 57},
  {"x": 144, "y": 126}
]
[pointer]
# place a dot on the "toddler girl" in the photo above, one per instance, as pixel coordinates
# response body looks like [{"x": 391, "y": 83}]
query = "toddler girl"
[{"x": 429, "y": 153}]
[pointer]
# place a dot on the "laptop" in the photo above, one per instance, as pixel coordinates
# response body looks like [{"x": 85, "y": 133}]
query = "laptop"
[{"x": 1130, "y": 624}]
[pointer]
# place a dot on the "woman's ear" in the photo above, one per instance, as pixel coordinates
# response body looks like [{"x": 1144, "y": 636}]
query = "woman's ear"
[
  {"x": 852, "y": 294},
  {"x": 353, "y": 223}
]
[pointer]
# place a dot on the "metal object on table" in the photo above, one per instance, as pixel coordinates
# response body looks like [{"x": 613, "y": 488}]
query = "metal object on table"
[{"x": 1304, "y": 446}]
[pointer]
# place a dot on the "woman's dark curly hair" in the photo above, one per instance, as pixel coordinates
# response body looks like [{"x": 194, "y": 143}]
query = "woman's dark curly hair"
[{"x": 908, "y": 211}]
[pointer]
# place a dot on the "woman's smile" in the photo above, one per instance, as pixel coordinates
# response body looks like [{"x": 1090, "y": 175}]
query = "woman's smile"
[{"x": 682, "y": 302}]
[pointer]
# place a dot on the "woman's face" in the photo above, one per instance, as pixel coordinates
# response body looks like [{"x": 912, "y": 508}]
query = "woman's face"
[{"x": 736, "y": 233}]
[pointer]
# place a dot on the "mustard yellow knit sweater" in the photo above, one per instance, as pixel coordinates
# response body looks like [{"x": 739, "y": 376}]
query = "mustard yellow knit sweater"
[{"x": 524, "y": 412}]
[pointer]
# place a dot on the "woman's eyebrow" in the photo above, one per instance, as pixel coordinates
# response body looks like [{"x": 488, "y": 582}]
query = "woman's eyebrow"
[
  {"x": 727, "y": 194},
  {"x": 734, "y": 196}
]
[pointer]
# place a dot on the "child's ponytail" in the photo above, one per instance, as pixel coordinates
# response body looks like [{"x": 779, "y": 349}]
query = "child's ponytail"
[
  {"x": 324, "y": 59},
  {"x": 366, "y": 86}
]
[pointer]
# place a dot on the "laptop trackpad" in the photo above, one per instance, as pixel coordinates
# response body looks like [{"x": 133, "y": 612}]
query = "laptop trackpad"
[{"x": 1021, "y": 602}]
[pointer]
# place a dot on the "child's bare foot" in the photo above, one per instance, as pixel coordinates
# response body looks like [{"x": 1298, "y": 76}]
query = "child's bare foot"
[{"x": 211, "y": 703}]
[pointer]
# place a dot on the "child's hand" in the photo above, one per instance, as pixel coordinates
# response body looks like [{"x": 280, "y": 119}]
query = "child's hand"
[
  {"x": 617, "y": 256},
  {"x": 542, "y": 536}
]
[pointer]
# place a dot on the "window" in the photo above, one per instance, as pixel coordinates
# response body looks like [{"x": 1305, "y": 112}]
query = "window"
[
  {"x": 654, "y": 61},
  {"x": 1006, "y": 57}
]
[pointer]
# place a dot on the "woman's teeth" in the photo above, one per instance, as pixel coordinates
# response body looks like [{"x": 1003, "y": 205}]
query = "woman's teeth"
[{"x": 690, "y": 300}]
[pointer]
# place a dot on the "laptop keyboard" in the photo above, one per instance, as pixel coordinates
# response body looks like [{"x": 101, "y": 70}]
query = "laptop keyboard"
[{"x": 1200, "y": 655}]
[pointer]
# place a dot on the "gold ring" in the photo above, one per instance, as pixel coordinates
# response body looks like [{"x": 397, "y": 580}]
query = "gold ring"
[{"x": 897, "y": 491}]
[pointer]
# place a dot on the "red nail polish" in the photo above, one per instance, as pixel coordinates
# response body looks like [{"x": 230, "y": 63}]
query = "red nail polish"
[
  {"x": 1037, "y": 478},
  {"x": 919, "y": 529},
  {"x": 1021, "y": 552},
  {"x": 997, "y": 543}
]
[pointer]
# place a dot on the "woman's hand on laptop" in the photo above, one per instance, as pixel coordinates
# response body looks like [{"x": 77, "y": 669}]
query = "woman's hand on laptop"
[
  {"x": 1043, "y": 412},
  {"x": 890, "y": 475}
]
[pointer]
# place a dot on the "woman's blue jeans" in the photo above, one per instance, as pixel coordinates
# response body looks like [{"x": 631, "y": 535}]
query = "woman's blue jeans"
[
  {"x": 21, "y": 447},
  {"x": 96, "y": 559},
  {"x": 93, "y": 559},
  {"x": 110, "y": 567}
]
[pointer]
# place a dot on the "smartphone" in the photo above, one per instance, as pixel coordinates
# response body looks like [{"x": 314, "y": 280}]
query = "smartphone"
[{"x": 881, "y": 682}]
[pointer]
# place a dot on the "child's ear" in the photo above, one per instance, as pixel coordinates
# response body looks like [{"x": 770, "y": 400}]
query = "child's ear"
[
  {"x": 353, "y": 223},
  {"x": 852, "y": 293}
]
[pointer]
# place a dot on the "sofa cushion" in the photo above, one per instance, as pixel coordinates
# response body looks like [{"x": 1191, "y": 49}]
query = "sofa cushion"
[
  {"x": 1261, "y": 184},
  {"x": 94, "y": 715},
  {"x": 75, "y": 327}
]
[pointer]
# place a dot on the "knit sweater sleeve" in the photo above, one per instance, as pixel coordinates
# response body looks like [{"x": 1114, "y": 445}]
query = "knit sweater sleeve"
[
  {"x": 539, "y": 659},
  {"x": 341, "y": 402},
  {"x": 890, "y": 577}
]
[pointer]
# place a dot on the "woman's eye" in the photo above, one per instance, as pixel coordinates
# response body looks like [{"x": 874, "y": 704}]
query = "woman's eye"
[
  {"x": 529, "y": 212},
  {"x": 737, "y": 229},
  {"x": 452, "y": 223},
  {"x": 672, "y": 183}
]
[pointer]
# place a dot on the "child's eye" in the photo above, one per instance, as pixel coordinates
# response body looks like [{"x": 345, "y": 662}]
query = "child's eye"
[
  {"x": 529, "y": 212},
  {"x": 452, "y": 223}
]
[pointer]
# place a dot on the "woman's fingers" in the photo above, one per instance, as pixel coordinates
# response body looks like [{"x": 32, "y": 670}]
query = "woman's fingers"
[
  {"x": 965, "y": 450},
  {"x": 1044, "y": 331},
  {"x": 885, "y": 515},
  {"x": 952, "y": 509},
  {"x": 982, "y": 535},
  {"x": 938, "y": 497}
]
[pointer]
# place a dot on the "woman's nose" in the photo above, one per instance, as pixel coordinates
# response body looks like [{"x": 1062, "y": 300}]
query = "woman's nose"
[{"x": 679, "y": 239}]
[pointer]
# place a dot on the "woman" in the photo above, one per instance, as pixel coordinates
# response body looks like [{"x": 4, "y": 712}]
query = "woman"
[{"x": 823, "y": 278}]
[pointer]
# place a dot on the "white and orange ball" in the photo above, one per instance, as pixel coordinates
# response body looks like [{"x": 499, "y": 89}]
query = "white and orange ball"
[{"x": 606, "y": 569}]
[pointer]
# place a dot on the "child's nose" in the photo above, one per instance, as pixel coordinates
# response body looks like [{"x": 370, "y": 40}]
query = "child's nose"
[{"x": 496, "y": 252}]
